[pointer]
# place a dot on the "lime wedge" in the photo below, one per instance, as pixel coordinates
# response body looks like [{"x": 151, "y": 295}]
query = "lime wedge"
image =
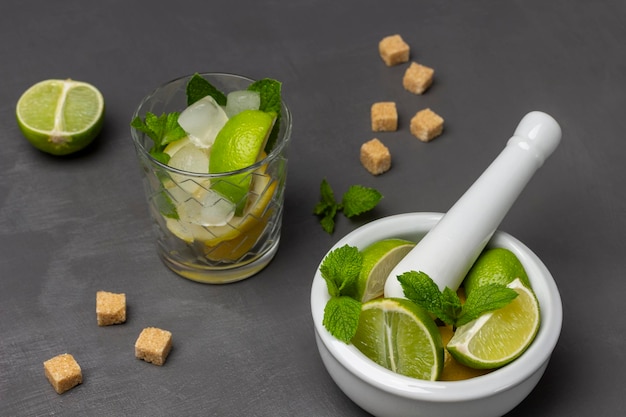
[
  {"x": 399, "y": 335},
  {"x": 60, "y": 116},
  {"x": 498, "y": 337},
  {"x": 452, "y": 369},
  {"x": 378, "y": 260},
  {"x": 495, "y": 266},
  {"x": 238, "y": 145}
]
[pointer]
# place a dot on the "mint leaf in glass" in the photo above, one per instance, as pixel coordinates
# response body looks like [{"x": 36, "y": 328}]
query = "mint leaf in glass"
[
  {"x": 270, "y": 92},
  {"x": 198, "y": 87},
  {"x": 162, "y": 130}
]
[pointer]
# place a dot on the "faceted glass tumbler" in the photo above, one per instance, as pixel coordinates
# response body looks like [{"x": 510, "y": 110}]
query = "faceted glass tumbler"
[{"x": 193, "y": 237}]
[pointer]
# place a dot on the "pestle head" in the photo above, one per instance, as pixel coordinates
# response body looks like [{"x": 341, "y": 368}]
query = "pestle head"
[{"x": 537, "y": 132}]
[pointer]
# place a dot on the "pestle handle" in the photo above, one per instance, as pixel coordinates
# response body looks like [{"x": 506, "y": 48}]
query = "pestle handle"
[{"x": 448, "y": 251}]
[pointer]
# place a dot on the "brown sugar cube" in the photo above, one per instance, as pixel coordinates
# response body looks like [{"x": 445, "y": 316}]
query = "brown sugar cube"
[
  {"x": 153, "y": 345},
  {"x": 384, "y": 117},
  {"x": 110, "y": 308},
  {"x": 375, "y": 157},
  {"x": 426, "y": 125},
  {"x": 393, "y": 50},
  {"x": 63, "y": 372},
  {"x": 417, "y": 78}
]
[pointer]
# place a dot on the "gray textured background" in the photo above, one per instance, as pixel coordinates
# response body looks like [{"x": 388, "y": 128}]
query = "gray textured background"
[{"x": 71, "y": 226}]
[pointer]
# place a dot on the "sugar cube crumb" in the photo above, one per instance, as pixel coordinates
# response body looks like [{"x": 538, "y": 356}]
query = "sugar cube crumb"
[
  {"x": 153, "y": 345},
  {"x": 393, "y": 50},
  {"x": 110, "y": 308},
  {"x": 63, "y": 372},
  {"x": 375, "y": 157},
  {"x": 426, "y": 125}
]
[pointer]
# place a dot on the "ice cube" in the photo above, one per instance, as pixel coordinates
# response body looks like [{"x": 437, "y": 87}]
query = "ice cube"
[
  {"x": 202, "y": 121},
  {"x": 237, "y": 101},
  {"x": 190, "y": 158},
  {"x": 210, "y": 209}
]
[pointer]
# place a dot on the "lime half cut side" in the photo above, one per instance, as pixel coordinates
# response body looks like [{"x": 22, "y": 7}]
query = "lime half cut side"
[
  {"x": 60, "y": 116},
  {"x": 498, "y": 337},
  {"x": 400, "y": 336}
]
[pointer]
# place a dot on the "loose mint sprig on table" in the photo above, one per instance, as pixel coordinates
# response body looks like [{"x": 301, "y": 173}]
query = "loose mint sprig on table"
[
  {"x": 446, "y": 305},
  {"x": 357, "y": 200},
  {"x": 340, "y": 269}
]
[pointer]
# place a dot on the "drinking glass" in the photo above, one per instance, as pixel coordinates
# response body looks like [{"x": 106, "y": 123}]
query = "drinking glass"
[{"x": 192, "y": 237}]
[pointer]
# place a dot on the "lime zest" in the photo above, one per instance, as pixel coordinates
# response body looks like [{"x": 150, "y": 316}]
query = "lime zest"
[
  {"x": 446, "y": 305},
  {"x": 357, "y": 200},
  {"x": 198, "y": 87}
]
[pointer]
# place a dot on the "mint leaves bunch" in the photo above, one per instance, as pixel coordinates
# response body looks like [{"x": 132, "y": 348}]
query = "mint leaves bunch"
[
  {"x": 165, "y": 129},
  {"x": 357, "y": 200},
  {"x": 446, "y": 305},
  {"x": 342, "y": 266},
  {"x": 340, "y": 269}
]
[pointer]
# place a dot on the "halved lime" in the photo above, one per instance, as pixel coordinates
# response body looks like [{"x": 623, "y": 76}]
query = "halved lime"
[
  {"x": 399, "y": 335},
  {"x": 498, "y": 337},
  {"x": 379, "y": 259},
  {"x": 495, "y": 266},
  {"x": 238, "y": 145},
  {"x": 60, "y": 116}
]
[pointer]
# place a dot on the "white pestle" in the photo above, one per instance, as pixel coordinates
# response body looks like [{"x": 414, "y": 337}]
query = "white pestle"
[{"x": 448, "y": 251}]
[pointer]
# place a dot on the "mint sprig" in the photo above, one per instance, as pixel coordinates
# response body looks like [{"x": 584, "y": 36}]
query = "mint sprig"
[
  {"x": 357, "y": 200},
  {"x": 340, "y": 269},
  {"x": 446, "y": 305},
  {"x": 162, "y": 130},
  {"x": 270, "y": 94}
]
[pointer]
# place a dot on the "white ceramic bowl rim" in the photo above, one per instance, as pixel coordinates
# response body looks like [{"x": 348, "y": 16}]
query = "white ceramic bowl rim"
[{"x": 439, "y": 391}]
